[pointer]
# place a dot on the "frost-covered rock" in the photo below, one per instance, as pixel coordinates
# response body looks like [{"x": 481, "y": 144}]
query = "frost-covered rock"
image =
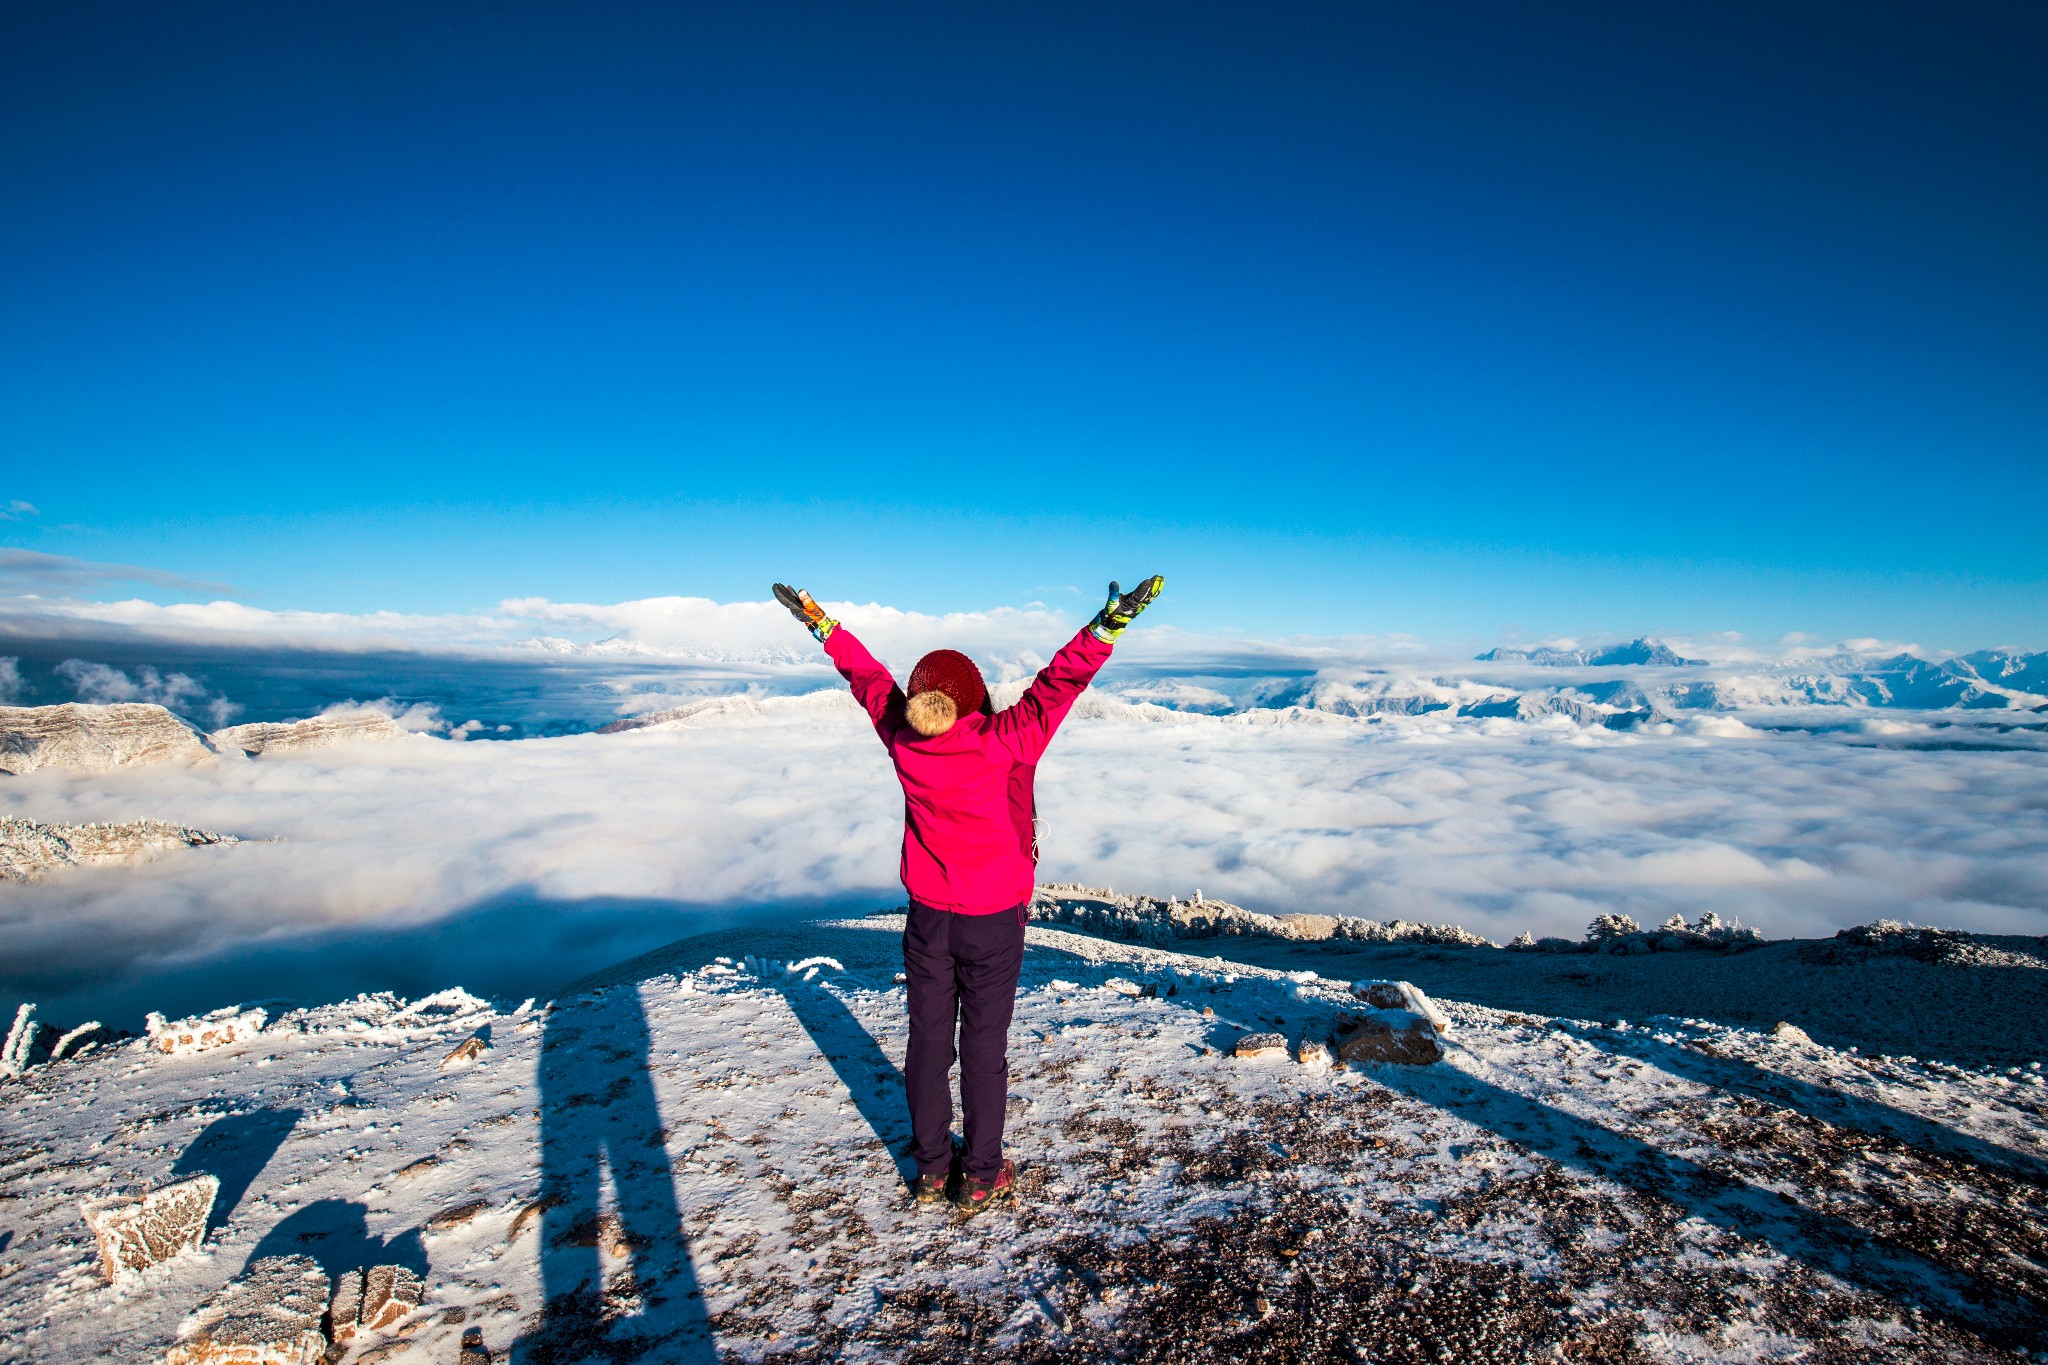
[
  {"x": 316, "y": 732},
  {"x": 373, "y": 1300},
  {"x": 268, "y": 1315},
  {"x": 30, "y": 851},
  {"x": 205, "y": 1032},
  {"x": 1401, "y": 995},
  {"x": 93, "y": 739},
  {"x": 1260, "y": 1046},
  {"x": 136, "y": 1233}
]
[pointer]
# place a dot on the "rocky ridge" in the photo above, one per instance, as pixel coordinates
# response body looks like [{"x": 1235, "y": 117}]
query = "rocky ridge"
[
  {"x": 77, "y": 737},
  {"x": 30, "y": 850},
  {"x": 315, "y": 732},
  {"x": 93, "y": 739},
  {"x": 1150, "y": 920}
]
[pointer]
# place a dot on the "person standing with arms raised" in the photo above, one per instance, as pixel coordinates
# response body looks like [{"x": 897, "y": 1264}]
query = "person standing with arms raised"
[{"x": 970, "y": 864}]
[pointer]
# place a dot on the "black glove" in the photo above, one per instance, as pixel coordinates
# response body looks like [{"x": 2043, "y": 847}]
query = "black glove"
[{"x": 805, "y": 610}]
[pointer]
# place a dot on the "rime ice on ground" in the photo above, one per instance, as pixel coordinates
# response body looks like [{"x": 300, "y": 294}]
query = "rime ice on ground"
[{"x": 205, "y": 1032}]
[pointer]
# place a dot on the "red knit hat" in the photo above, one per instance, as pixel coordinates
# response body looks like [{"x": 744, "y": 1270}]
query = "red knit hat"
[{"x": 952, "y": 673}]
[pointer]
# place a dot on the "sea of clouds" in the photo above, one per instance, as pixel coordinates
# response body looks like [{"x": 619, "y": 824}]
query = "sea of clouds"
[{"x": 512, "y": 868}]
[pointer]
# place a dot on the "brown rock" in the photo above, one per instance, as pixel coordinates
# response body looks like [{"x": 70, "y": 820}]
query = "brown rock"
[
  {"x": 345, "y": 1309},
  {"x": 391, "y": 1293},
  {"x": 135, "y": 1234},
  {"x": 1260, "y": 1045},
  {"x": 1390, "y": 1036},
  {"x": 530, "y": 1214},
  {"x": 418, "y": 1168},
  {"x": 449, "y": 1219},
  {"x": 465, "y": 1052},
  {"x": 1381, "y": 995}
]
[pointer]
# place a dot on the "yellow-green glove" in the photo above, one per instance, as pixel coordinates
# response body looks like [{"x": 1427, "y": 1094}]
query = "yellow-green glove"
[{"x": 1122, "y": 608}]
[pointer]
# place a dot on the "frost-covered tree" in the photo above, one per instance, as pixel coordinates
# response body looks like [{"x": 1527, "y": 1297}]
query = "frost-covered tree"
[{"x": 1606, "y": 928}]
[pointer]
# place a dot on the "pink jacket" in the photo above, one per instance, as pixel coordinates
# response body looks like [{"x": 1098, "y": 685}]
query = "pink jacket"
[{"x": 967, "y": 802}]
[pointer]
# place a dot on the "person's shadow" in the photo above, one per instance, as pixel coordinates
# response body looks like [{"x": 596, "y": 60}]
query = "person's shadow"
[
  {"x": 335, "y": 1232},
  {"x": 597, "y": 1113},
  {"x": 235, "y": 1150},
  {"x": 872, "y": 1081}
]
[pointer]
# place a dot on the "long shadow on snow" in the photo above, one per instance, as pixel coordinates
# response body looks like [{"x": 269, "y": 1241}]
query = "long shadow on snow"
[
  {"x": 517, "y": 943},
  {"x": 1819, "y": 1102},
  {"x": 598, "y": 1111},
  {"x": 874, "y": 1082},
  {"x": 1819, "y": 1240}
]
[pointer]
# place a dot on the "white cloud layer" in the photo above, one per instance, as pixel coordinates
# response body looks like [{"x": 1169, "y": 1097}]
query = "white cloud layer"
[
  {"x": 101, "y": 684},
  {"x": 1501, "y": 826}
]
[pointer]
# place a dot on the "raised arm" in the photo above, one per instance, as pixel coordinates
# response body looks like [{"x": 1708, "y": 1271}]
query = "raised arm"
[
  {"x": 1026, "y": 728},
  {"x": 872, "y": 686}
]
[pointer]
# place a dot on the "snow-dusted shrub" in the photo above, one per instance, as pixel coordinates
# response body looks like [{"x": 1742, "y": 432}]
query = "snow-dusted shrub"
[
  {"x": 1889, "y": 938},
  {"x": 1619, "y": 934}
]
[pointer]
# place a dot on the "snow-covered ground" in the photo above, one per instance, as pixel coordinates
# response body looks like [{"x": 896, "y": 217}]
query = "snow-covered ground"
[{"x": 694, "y": 1152}]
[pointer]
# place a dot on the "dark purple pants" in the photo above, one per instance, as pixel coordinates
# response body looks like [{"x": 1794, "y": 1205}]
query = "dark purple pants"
[{"x": 962, "y": 970}]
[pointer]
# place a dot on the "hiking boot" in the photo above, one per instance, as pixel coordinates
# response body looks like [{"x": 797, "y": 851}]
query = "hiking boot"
[
  {"x": 976, "y": 1195},
  {"x": 928, "y": 1189}
]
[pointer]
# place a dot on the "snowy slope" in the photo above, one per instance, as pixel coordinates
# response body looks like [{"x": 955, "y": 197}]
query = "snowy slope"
[{"x": 1668, "y": 1190}]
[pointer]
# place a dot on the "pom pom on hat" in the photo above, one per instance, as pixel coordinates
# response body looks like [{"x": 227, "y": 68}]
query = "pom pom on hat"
[
  {"x": 931, "y": 713},
  {"x": 944, "y": 686}
]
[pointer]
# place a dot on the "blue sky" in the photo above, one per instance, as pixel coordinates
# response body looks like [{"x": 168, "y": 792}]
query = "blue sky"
[{"x": 1457, "y": 321}]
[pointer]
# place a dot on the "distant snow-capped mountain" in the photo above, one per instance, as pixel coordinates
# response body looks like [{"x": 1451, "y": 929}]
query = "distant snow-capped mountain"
[{"x": 1642, "y": 652}]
